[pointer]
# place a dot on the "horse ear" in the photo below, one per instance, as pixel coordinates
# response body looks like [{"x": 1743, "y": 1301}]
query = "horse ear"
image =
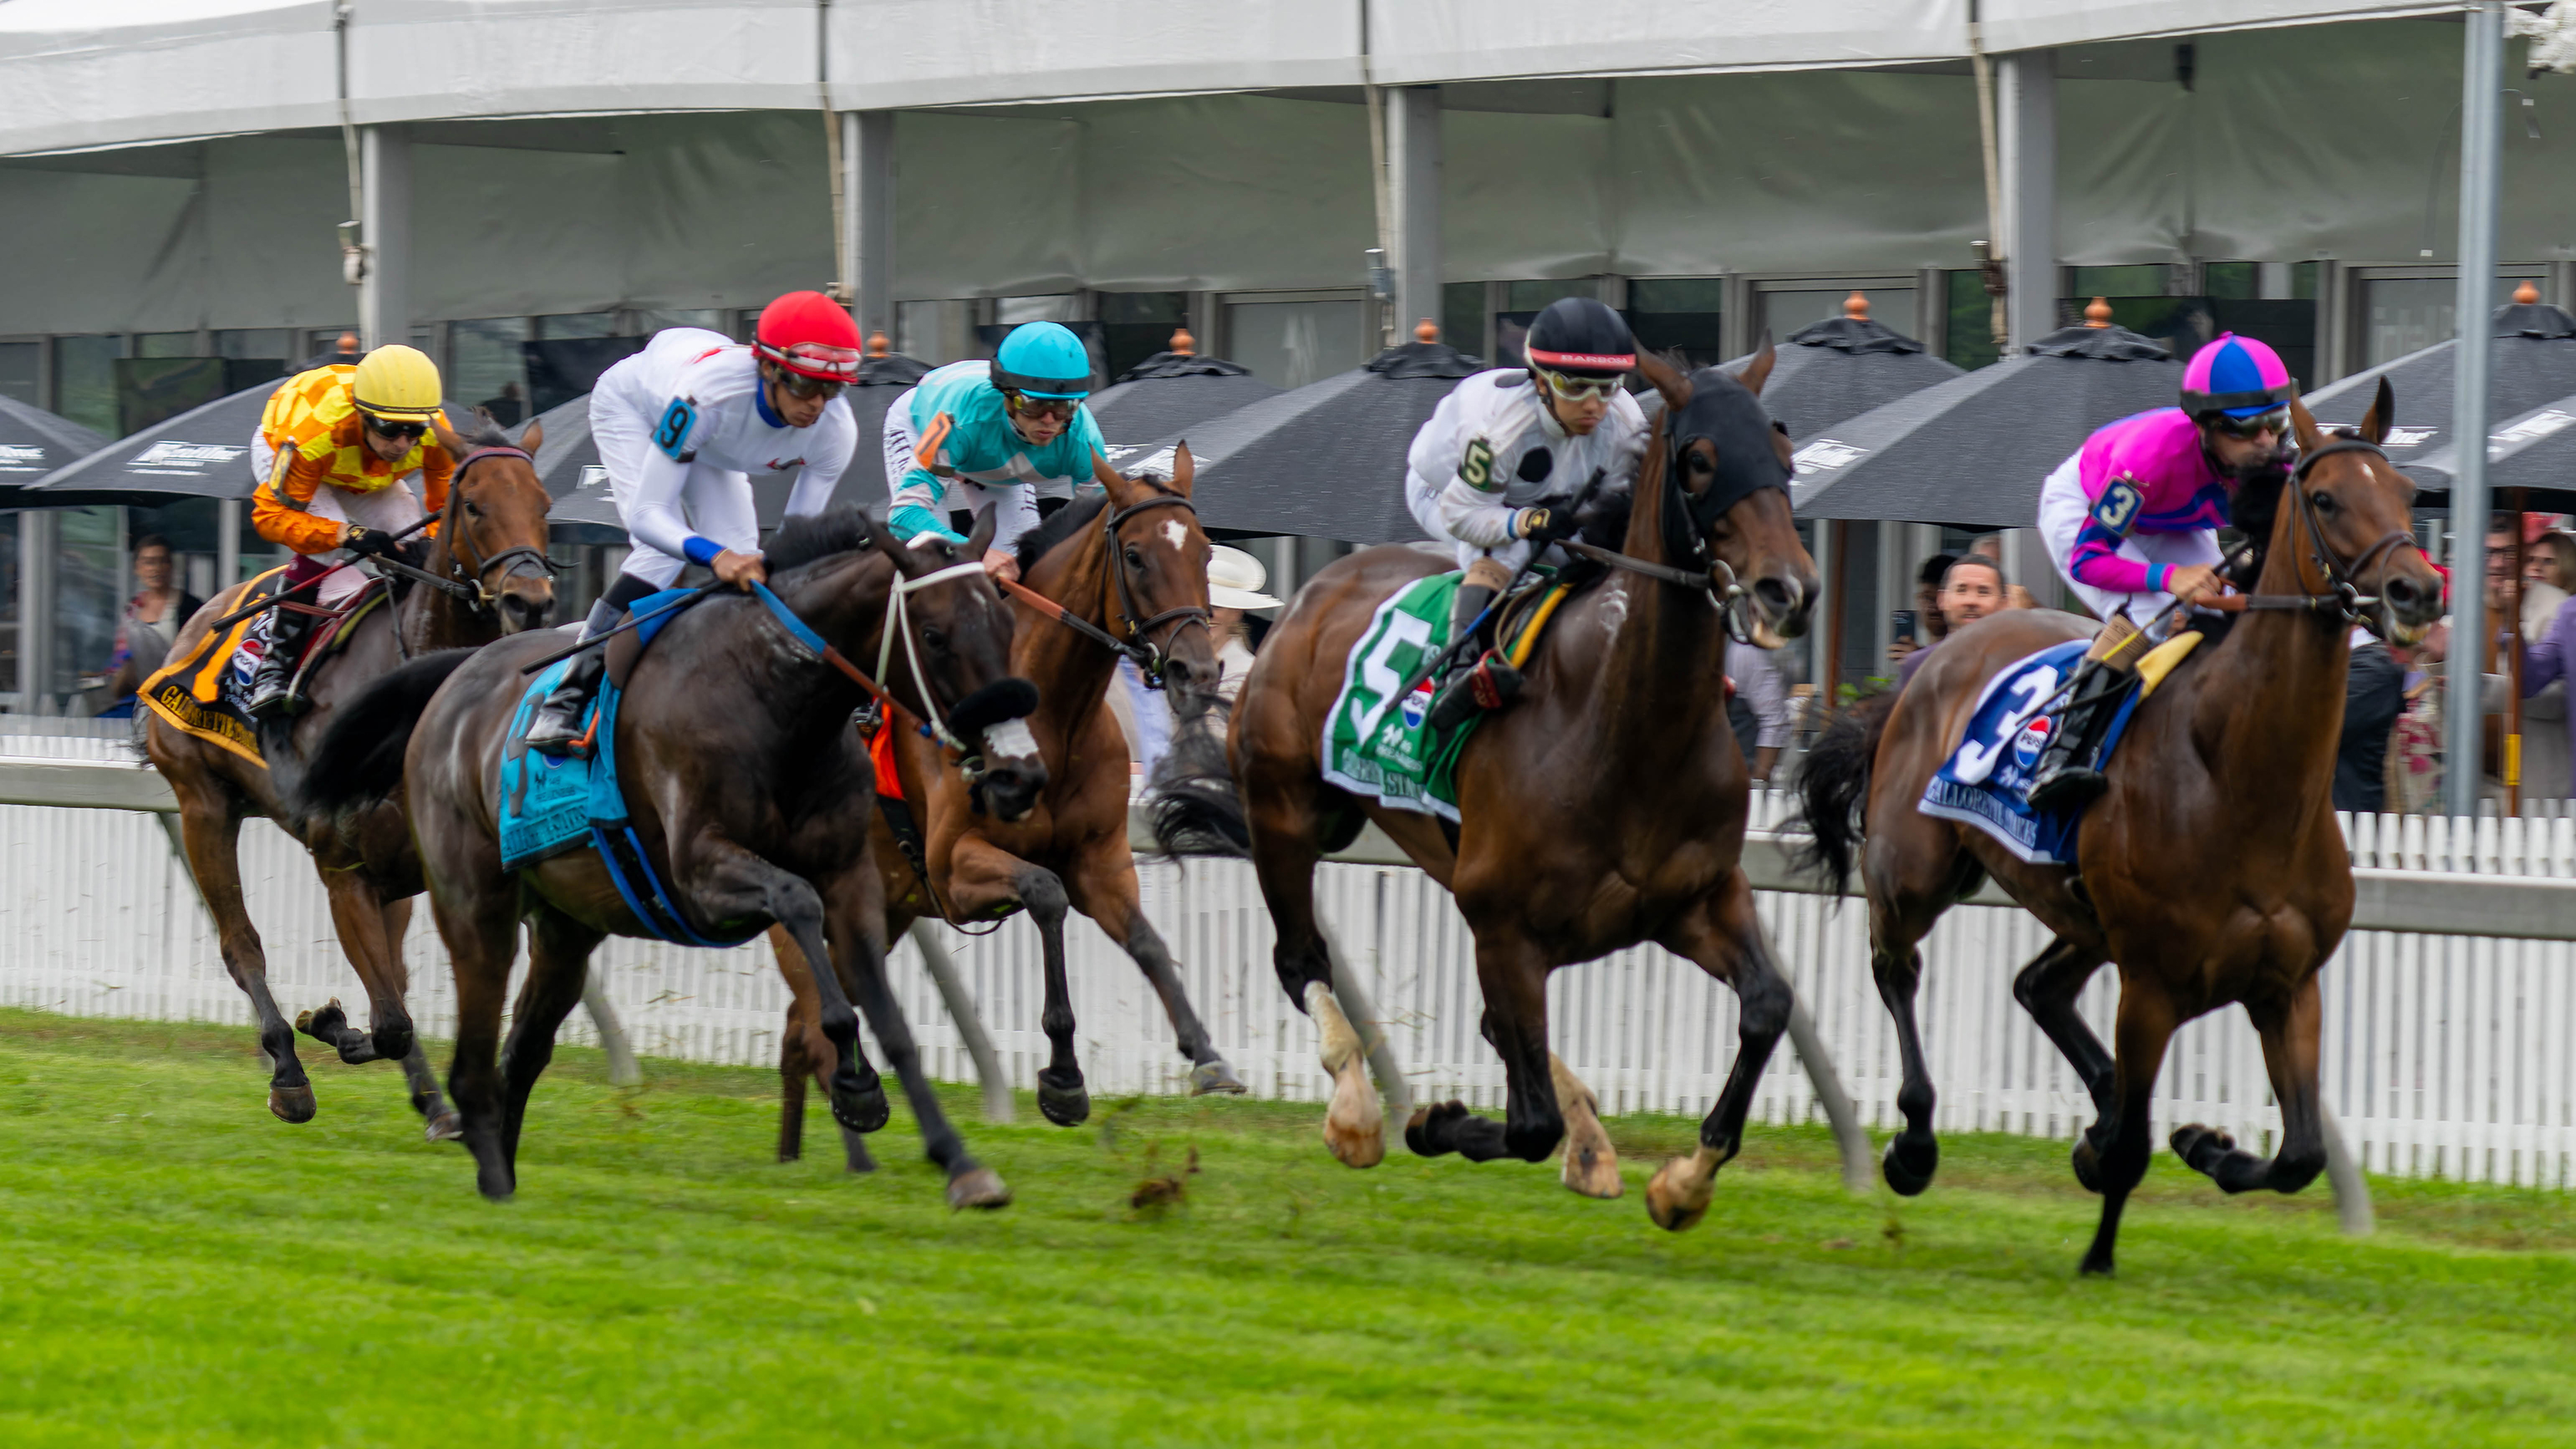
[
  {"x": 1121, "y": 490},
  {"x": 446, "y": 435},
  {"x": 2382, "y": 415},
  {"x": 987, "y": 520},
  {"x": 533, "y": 438},
  {"x": 1758, "y": 371},
  {"x": 2303, "y": 424},
  {"x": 1668, "y": 381},
  {"x": 907, "y": 560},
  {"x": 1184, "y": 471}
]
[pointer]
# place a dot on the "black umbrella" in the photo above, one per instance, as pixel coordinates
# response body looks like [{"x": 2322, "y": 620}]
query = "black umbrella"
[
  {"x": 2534, "y": 451},
  {"x": 1171, "y": 392},
  {"x": 33, "y": 443},
  {"x": 1841, "y": 368},
  {"x": 1325, "y": 461},
  {"x": 202, "y": 453},
  {"x": 2534, "y": 364},
  {"x": 1974, "y": 450}
]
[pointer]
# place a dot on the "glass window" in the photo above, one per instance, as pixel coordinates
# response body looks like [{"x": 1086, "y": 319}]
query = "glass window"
[
  {"x": 89, "y": 591},
  {"x": 1532, "y": 296},
  {"x": 9, "y": 602},
  {"x": 2303, "y": 281},
  {"x": 486, "y": 367},
  {"x": 1787, "y": 312},
  {"x": 166, "y": 344},
  {"x": 577, "y": 324},
  {"x": 1677, "y": 294},
  {"x": 2233, "y": 281},
  {"x": 263, "y": 343},
  {"x": 85, "y": 380},
  {"x": 1012, "y": 311},
  {"x": 711, "y": 318},
  {"x": 2151, "y": 279},
  {"x": 1290, "y": 344},
  {"x": 1462, "y": 315},
  {"x": 916, "y": 331},
  {"x": 18, "y": 371},
  {"x": 2407, "y": 313},
  {"x": 1971, "y": 331},
  {"x": 1136, "y": 325},
  {"x": 1683, "y": 314}
]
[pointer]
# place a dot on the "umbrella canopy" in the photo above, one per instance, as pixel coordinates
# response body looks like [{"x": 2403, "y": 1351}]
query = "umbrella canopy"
[
  {"x": 1974, "y": 450},
  {"x": 33, "y": 443},
  {"x": 1841, "y": 368},
  {"x": 202, "y": 453},
  {"x": 1326, "y": 460},
  {"x": 2534, "y": 364},
  {"x": 2534, "y": 451},
  {"x": 1171, "y": 392}
]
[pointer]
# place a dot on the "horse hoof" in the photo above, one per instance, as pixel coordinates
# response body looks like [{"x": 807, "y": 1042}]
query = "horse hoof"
[
  {"x": 1593, "y": 1173},
  {"x": 2096, "y": 1265},
  {"x": 444, "y": 1126},
  {"x": 980, "y": 1188},
  {"x": 2087, "y": 1158},
  {"x": 1909, "y": 1172},
  {"x": 315, "y": 1024},
  {"x": 1064, "y": 1106},
  {"x": 1212, "y": 1077},
  {"x": 392, "y": 1043},
  {"x": 863, "y": 1111},
  {"x": 291, "y": 1104},
  {"x": 2202, "y": 1149},
  {"x": 1672, "y": 1201}
]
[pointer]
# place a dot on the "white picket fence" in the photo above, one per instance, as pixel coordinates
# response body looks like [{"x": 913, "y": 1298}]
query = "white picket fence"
[{"x": 2444, "y": 1055}]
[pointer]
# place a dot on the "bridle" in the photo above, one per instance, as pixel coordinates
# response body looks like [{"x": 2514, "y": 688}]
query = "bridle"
[
  {"x": 896, "y": 623},
  {"x": 1688, "y": 518},
  {"x": 2342, "y": 598},
  {"x": 1150, "y": 657},
  {"x": 524, "y": 560}
]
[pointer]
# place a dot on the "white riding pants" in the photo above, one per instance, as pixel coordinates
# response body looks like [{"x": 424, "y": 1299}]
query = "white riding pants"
[{"x": 2062, "y": 511}]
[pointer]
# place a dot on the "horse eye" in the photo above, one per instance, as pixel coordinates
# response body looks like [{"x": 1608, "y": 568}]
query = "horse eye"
[
  {"x": 2325, "y": 502},
  {"x": 1135, "y": 560},
  {"x": 473, "y": 509},
  {"x": 934, "y": 637}
]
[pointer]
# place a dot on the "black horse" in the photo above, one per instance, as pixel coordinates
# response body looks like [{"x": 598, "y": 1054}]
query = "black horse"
[{"x": 746, "y": 791}]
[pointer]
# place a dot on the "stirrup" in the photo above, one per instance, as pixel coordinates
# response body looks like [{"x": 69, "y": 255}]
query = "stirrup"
[{"x": 1488, "y": 684}]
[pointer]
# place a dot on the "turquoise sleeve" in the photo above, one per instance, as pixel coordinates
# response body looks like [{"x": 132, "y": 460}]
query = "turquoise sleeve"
[{"x": 912, "y": 520}]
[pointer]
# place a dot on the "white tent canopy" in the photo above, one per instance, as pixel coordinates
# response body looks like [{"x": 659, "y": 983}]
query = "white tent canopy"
[{"x": 93, "y": 73}]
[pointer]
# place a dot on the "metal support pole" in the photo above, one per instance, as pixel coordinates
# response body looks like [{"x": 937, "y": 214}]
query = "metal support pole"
[
  {"x": 2026, "y": 117},
  {"x": 867, "y": 217},
  {"x": 2481, "y": 141},
  {"x": 36, "y": 641},
  {"x": 1859, "y": 1174},
  {"x": 227, "y": 543},
  {"x": 384, "y": 297},
  {"x": 998, "y": 1106},
  {"x": 1413, "y": 165},
  {"x": 2343, "y": 1173},
  {"x": 622, "y": 1070}
]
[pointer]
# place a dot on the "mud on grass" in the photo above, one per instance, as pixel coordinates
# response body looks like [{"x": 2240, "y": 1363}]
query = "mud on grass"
[{"x": 184, "y": 1269}]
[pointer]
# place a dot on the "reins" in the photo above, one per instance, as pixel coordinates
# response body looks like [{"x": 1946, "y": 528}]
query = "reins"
[
  {"x": 1149, "y": 657},
  {"x": 1716, "y": 579},
  {"x": 2342, "y": 599},
  {"x": 472, "y": 587},
  {"x": 895, "y": 624}
]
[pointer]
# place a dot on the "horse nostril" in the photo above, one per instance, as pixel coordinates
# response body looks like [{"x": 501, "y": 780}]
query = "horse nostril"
[{"x": 1778, "y": 597}]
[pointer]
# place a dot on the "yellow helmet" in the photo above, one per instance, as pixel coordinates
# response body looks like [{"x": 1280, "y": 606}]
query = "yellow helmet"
[{"x": 397, "y": 382}]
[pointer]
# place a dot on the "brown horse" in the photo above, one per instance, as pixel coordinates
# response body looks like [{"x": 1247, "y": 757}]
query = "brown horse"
[
  {"x": 732, "y": 752},
  {"x": 1606, "y": 807},
  {"x": 1131, "y": 569},
  {"x": 490, "y": 551},
  {"x": 2212, "y": 871}
]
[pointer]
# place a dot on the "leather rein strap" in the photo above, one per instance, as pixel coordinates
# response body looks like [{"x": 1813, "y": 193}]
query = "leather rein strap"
[
  {"x": 2343, "y": 598},
  {"x": 1148, "y": 656},
  {"x": 472, "y": 587}
]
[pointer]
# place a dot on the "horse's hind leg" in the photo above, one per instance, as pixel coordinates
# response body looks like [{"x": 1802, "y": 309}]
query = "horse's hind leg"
[
  {"x": 211, "y": 831},
  {"x": 729, "y": 882},
  {"x": 2290, "y": 1055},
  {"x": 1103, "y": 887},
  {"x": 1912, "y": 866},
  {"x": 970, "y": 1183},
  {"x": 2146, "y": 1026},
  {"x": 559, "y": 950},
  {"x": 804, "y": 1050},
  {"x": 439, "y": 1119},
  {"x": 1591, "y": 1163},
  {"x": 476, "y": 911},
  {"x": 2047, "y": 989},
  {"x": 1723, "y": 935},
  {"x": 1284, "y": 857},
  {"x": 358, "y": 916}
]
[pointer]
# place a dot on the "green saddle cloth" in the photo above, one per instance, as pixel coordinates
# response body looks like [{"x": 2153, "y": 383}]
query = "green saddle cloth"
[{"x": 1378, "y": 745}]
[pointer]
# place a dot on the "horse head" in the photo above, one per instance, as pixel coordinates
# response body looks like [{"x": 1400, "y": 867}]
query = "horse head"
[
  {"x": 1158, "y": 584},
  {"x": 1726, "y": 464},
  {"x": 2352, "y": 520},
  {"x": 493, "y": 533},
  {"x": 958, "y": 634}
]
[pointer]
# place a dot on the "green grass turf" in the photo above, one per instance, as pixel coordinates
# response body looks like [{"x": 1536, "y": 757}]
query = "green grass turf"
[{"x": 182, "y": 1269}]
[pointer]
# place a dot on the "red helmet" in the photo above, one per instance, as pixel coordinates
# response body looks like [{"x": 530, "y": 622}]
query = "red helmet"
[{"x": 810, "y": 334}]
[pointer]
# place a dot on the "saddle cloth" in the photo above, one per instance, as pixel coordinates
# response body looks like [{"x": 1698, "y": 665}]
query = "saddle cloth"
[
  {"x": 206, "y": 693},
  {"x": 551, "y": 804},
  {"x": 1986, "y": 781},
  {"x": 1381, "y": 746}
]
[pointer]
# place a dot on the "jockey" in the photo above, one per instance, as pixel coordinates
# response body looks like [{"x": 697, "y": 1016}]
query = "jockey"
[
  {"x": 333, "y": 447},
  {"x": 681, "y": 426},
  {"x": 2132, "y": 521},
  {"x": 1001, "y": 432},
  {"x": 1503, "y": 459}
]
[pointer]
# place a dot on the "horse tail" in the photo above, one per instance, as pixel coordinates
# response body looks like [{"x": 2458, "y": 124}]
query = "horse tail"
[
  {"x": 1191, "y": 802},
  {"x": 358, "y": 762},
  {"x": 1833, "y": 785}
]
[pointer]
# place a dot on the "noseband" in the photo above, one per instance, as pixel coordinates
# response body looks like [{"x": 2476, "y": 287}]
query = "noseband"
[
  {"x": 2343, "y": 598},
  {"x": 1150, "y": 655},
  {"x": 472, "y": 586}
]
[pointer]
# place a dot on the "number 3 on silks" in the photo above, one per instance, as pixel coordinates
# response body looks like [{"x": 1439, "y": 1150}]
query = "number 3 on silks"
[
  {"x": 671, "y": 435},
  {"x": 2115, "y": 510}
]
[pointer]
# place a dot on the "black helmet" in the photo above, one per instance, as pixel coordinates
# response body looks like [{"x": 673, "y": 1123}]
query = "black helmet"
[{"x": 1581, "y": 336}]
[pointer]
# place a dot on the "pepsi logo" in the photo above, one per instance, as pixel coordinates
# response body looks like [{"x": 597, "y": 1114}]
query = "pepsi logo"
[
  {"x": 2032, "y": 739},
  {"x": 1416, "y": 705}
]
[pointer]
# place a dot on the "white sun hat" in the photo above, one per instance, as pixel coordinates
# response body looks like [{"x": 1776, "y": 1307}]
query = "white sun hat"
[{"x": 1235, "y": 579}]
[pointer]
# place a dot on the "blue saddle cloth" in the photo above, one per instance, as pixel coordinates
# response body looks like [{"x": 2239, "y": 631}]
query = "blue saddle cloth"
[
  {"x": 551, "y": 804},
  {"x": 1986, "y": 781}
]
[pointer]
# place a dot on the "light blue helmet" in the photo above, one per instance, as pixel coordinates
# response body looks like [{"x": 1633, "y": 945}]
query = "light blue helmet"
[{"x": 1043, "y": 359}]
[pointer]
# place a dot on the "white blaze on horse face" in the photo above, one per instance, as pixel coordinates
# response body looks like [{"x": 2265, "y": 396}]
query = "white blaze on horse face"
[
  {"x": 1010, "y": 740},
  {"x": 1176, "y": 534}
]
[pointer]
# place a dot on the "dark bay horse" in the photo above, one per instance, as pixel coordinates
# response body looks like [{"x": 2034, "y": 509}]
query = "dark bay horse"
[
  {"x": 1131, "y": 568},
  {"x": 1606, "y": 807},
  {"x": 732, "y": 748},
  {"x": 491, "y": 544},
  {"x": 2212, "y": 871}
]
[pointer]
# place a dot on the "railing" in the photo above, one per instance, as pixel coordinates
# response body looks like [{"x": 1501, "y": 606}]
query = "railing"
[{"x": 2447, "y": 1049}]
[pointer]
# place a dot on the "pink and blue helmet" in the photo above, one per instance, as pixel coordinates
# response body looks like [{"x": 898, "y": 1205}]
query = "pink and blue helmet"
[{"x": 2238, "y": 376}]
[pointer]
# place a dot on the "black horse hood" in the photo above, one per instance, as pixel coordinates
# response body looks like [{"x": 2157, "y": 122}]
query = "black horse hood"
[{"x": 1726, "y": 412}]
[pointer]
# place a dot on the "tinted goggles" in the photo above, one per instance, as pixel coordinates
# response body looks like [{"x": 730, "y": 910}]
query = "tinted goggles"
[
  {"x": 808, "y": 388},
  {"x": 1576, "y": 389},
  {"x": 1058, "y": 408},
  {"x": 2276, "y": 422},
  {"x": 398, "y": 432}
]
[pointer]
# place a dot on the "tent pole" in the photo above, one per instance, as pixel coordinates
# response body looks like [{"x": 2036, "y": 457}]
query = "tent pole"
[{"x": 2481, "y": 126}]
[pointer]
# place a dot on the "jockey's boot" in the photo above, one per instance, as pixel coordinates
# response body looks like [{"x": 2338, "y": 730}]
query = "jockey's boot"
[
  {"x": 557, "y": 727},
  {"x": 272, "y": 688},
  {"x": 2069, "y": 774},
  {"x": 1475, "y": 681}
]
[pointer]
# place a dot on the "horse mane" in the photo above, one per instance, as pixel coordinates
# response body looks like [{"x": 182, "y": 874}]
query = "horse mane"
[
  {"x": 1066, "y": 522},
  {"x": 816, "y": 536}
]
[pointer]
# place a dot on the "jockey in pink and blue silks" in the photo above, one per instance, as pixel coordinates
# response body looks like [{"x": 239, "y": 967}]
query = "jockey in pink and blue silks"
[{"x": 2132, "y": 522}]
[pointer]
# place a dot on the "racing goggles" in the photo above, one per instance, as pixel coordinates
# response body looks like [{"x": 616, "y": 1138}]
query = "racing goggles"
[
  {"x": 405, "y": 432},
  {"x": 1058, "y": 408},
  {"x": 2275, "y": 421},
  {"x": 809, "y": 388},
  {"x": 1576, "y": 389}
]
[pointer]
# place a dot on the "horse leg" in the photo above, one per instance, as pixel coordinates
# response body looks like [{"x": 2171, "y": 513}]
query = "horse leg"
[
  {"x": 1897, "y": 965},
  {"x": 1103, "y": 887},
  {"x": 1722, "y": 933},
  {"x": 1513, "y": 972},
  {"x": 729, "y": 882},
  {"x": 981, "y": 877},
  {"x": 2290, "y": 1055},
  {"x": 857, "y": 905},
  {"x": 1591, "y": 1163},
  {"x": 793, "y": 1064},
  {"x": 559, "y": 950},
  {"x": 1283, "y": 857},
  {"x": 2146, "y": 1026},
  {"x": 426, "y": 1099},
  {"x": 477, "y": 919},
  {"x": 358, "y": 916},
  {"x": 803, "y": 1049},
  {"x": 2047, "y": 989},
  {"x": 211, "y": 832}
]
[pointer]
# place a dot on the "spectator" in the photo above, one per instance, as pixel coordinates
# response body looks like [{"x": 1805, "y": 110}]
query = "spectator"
[
  {"x": 1234, "y": 586},
  {"x": 509, "y": 408},
  {"x": 1928, "y": 625},
  {"x": 1972, "y": 588},
  {"x": 150, "y": 623},
  {"x": 1757, "y": 706},
  {"x": 2551, "y": 559},
  {"x": 2374, "y": 695}
]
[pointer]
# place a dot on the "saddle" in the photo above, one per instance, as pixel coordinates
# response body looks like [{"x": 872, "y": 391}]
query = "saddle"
[{"x": 206, "y": 692}]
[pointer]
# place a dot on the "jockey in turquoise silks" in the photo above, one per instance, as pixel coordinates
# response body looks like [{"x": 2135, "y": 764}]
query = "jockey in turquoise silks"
[{"x": 1004, "y": 432}]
